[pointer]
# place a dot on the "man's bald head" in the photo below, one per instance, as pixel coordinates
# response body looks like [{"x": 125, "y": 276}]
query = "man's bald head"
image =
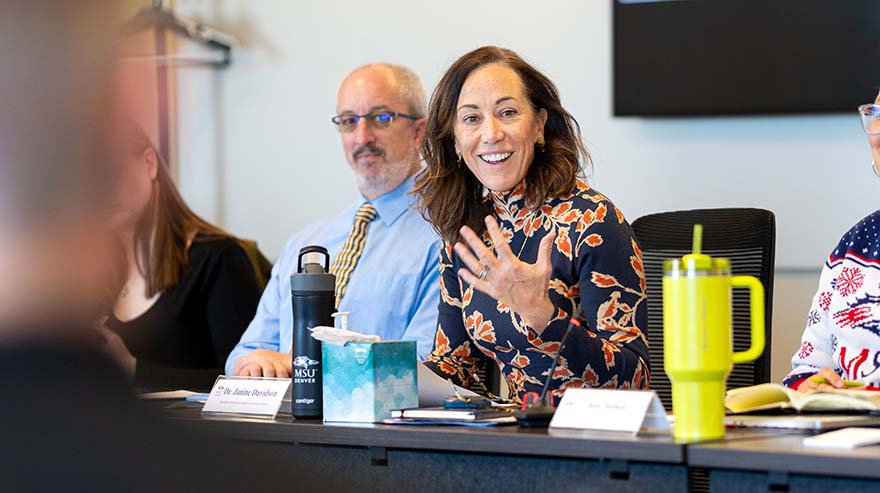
[
  {"x": 386, "y": 102},
  {"x": 407, "y": 84}
]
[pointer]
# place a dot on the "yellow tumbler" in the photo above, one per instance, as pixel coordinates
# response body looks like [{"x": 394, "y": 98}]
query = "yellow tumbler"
[{"x": 697, "y": 338}]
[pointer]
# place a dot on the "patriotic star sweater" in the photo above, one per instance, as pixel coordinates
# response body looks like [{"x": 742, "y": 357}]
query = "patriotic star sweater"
[{"x": 843, "y": 325}]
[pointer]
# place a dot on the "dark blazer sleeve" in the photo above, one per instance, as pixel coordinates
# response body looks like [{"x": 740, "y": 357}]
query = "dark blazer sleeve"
[{"x": 229, "y": 295}]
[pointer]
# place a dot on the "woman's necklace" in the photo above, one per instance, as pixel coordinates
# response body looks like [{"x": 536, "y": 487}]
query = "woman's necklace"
[{"x": 530, "y": 218}]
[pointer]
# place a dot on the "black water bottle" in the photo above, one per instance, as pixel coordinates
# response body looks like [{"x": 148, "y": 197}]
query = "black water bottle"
[{"x": 313, "y": 295}]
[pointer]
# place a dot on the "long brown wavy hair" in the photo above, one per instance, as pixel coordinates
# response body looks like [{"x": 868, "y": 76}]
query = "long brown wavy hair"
[
  {"x": 450, "y": 196},
  {"x": 164, "y": 234}
]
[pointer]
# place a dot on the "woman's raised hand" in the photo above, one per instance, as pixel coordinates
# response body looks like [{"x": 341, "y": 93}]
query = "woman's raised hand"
[{"x": 500, "y": 274}]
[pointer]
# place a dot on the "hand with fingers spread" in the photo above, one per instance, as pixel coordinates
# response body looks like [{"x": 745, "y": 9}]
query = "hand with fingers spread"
[
  {"x": 264, "y": 363},
  {"x": 500, "y": 274}
]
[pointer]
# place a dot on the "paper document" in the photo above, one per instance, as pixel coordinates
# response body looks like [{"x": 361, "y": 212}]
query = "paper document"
[
  {"x": 433, "y": 389},
  {"x": 167, "y": 395},
  {"x": 847, "y": 438}
]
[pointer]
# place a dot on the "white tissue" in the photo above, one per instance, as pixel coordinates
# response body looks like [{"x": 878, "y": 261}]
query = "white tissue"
[{"x": 338, "y": 337}]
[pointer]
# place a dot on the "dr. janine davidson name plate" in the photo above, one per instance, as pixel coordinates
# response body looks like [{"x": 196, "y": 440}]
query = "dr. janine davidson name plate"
[{"x": 248, "y": 396}]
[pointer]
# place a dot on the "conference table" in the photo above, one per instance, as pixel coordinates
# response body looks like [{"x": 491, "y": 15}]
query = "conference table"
[
  {"x": 379, "y": 457},
  {"x": 780, "y": 462},
  {"x": 375, "y": 457}
]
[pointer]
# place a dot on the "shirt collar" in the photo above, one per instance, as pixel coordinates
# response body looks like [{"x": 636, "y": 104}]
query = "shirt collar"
[
  {"x": 393, "y": 204},
  {"x": 516, "y": 196}
]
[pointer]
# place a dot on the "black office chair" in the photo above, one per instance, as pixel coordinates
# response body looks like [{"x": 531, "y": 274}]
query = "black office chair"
[
  {"x": 748, "y": 238},
  {"x": 262, "y": 266},
  {"x": 489, "y": 375}
]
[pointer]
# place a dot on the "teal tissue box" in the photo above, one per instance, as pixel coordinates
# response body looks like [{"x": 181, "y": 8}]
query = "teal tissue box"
[{"x": 363, "y": 382}]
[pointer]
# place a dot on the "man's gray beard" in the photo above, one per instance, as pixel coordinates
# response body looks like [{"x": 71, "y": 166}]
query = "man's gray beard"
[
  {"x": 384, "y": 182},
  {"x": 372, "y": 184}
]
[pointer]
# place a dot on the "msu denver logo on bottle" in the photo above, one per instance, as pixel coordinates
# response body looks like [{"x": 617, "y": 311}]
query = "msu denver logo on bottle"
[{"x": 302, "y": 371}]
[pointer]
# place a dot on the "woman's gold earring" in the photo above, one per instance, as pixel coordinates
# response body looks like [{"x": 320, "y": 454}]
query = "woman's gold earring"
[
  {"x": 540, "y": 144},
  {"x": 459, "y": 160}
]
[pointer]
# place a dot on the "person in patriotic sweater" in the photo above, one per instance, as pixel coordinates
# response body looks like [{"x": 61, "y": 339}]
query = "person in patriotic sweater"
[{"x": 842, "y": 338}]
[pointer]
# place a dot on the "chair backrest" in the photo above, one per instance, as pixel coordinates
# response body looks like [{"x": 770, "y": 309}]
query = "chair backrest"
[
  {"x": 262, "y": 266},
  {"x": 748, "y": 238},
  {"x": 490, "y": 376}
]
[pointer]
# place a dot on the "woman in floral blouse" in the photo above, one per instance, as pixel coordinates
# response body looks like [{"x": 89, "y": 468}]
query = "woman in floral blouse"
[{"x": 527, "y": 245}]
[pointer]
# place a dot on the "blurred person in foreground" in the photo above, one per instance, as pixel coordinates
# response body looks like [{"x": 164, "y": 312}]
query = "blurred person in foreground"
[{"x": 69, "y": 418}]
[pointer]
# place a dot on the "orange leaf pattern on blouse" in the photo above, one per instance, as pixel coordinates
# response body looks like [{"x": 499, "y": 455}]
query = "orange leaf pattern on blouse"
[{"x": 597, "y": 265}]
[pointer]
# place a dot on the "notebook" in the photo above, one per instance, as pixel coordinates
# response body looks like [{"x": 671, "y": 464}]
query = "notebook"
[
  {"x": 772, "y": 396},
  {"x": 447, "y": 414},
  {"x": 499, "y": 421}
]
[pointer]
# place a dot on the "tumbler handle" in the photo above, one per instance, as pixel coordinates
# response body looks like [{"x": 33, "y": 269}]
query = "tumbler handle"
[{"x": 756, "y": 308}]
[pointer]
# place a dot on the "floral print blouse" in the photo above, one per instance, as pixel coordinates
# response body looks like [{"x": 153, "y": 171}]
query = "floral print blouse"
[{"x": 596, "y": 263}]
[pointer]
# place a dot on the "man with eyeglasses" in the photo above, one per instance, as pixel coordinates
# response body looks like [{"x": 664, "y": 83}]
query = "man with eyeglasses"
[
  {"x": 385, "y": 255},
  {"x": 840, "y": 346}
]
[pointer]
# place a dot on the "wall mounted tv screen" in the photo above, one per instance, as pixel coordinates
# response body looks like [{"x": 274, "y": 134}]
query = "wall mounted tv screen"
[{"x": 716, "y": 57}]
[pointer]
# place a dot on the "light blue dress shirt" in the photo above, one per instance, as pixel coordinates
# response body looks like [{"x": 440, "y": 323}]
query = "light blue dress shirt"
[{"x": 393, "y": 292}]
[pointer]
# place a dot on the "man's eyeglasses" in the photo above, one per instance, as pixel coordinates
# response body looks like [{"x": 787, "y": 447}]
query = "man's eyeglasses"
[
  {"x": 377, "y": 120},
  {"x": 870, "y": 115}
]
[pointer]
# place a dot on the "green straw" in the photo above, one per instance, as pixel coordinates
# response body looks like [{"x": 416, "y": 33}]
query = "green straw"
[{"x": 698, "y": 238}]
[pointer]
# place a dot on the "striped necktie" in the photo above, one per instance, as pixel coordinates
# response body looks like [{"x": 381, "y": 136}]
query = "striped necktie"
[{"x": 347, "y": 258}]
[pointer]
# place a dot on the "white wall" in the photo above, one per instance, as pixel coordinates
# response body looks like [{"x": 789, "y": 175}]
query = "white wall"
[{"x": 259, "y": 154}]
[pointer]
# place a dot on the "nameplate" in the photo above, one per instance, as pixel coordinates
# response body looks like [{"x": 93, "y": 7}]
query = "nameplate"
[
  {"x": 248, "y": 396},
  {"x": 632, "y": 411}
]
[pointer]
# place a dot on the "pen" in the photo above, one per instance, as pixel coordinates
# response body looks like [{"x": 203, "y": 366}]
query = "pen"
[{"x": 846, "y": 383}]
